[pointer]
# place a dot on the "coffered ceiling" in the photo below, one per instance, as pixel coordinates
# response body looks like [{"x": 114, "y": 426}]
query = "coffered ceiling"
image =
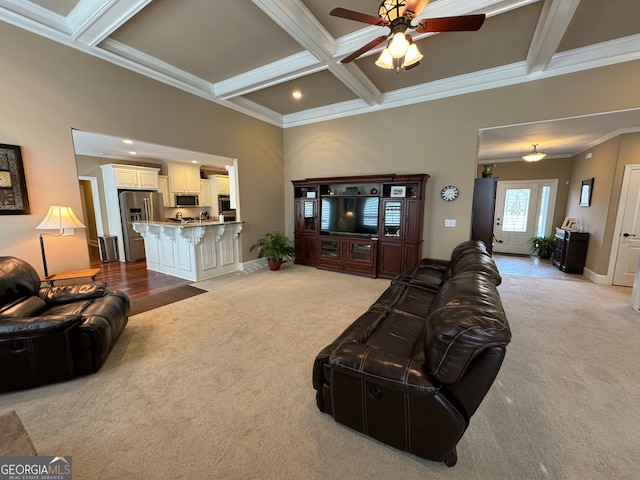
[{"x": 251, "y": 55}]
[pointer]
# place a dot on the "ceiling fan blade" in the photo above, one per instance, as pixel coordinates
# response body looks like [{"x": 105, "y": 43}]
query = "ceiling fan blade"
[
  {"x": 357, "y": 16},
  {"x": 415, "y": 6},
  {"x": 373, "y": 43},
  {"x": 463, "y": 23},
  {"x": 413, "y": 65}
]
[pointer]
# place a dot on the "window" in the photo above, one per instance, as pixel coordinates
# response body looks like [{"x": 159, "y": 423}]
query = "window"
[{"x": 516, "y": 209}]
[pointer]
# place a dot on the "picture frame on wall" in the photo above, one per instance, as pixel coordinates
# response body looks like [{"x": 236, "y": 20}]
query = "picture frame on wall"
[
  {"x": 398, "y": 191},
  {"x": 13, "y": 185},
  {"x": 586, "y": 191}
]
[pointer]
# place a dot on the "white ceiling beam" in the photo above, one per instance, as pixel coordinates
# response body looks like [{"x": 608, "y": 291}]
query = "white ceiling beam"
[
  {"x": 554, "y": 20},
  {"x": 453, "y": 8},
  {"x": 94, "y": 20},
  {"x": 296, "y": 19},
  {"x": 280, "y": 71},
  {"x": 33, "y": 18}
]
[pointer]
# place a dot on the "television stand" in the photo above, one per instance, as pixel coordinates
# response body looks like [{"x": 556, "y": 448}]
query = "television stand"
[{"x": 396, "y": 242}]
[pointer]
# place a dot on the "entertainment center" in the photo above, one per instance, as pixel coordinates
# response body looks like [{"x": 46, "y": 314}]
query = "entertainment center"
[{"x": 367, "y": 225}]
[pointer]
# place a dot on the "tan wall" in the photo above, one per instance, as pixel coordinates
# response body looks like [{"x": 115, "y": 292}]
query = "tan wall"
[
  {"x": 48, "y": 89},
  {"x": 440, "y": 138},
  {"x": 548, "y": 168},
  {"x": 601, "y": 214}
]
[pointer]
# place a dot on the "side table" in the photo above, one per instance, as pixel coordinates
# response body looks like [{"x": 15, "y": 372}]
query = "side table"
[{"x": 71, "y": 275}]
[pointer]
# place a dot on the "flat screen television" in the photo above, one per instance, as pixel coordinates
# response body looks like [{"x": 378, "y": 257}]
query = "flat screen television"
[{"x": 354, "y": 215}]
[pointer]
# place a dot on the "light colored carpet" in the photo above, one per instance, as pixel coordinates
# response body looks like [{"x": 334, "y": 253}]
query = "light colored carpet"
[{"x": 218, "y": 386}]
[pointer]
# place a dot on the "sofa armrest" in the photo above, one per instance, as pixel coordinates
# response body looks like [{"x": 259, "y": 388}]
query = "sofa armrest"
[
  {"x": 14, "y": 327},
  {"x": 383, "y": 368},
  {"x": 57, "y": 294}
]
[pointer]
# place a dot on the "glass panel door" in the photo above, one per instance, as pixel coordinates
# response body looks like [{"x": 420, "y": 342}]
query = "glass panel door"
[
  {"x": 309, "y": 215},
  {"x": 392, "y": 214}
]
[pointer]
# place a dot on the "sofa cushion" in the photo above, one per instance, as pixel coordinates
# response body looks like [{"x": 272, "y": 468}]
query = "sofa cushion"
[
  {"x": 18, "y": 279},
  {"x": 23, "y": 307},
  {"x": 466, "y": 317}
]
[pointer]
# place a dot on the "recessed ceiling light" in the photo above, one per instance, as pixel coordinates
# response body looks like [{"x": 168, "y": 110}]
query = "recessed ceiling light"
[
  {"x": 127, "y": 141},
  {"x": 133, "y": 153},
  {"x": 297, "y": 94},
  {"x": 194, "y": 161}
]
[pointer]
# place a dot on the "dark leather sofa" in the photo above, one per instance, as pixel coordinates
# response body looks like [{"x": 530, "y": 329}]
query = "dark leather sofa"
[
  {"x": 413, "y": 369},
  {"x": 54, "y": 333}
]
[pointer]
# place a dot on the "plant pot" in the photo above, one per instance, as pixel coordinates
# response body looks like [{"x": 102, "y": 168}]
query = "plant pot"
[{"x": 274, "y": 264}]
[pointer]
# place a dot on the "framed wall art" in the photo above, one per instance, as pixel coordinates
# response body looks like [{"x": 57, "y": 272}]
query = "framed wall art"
[
  {"x": 586, "y": 192},
  {"x": 398, "y": 191},
  {"x": 13, "y": 185}
]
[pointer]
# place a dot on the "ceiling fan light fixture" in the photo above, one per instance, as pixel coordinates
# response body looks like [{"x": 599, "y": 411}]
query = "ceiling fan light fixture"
[
  {"x": 390, "y": 9},
  {"x": 399, "y": 45},
  {"x": 534, "y": 155},
  {"x": 385, "y": 60}
]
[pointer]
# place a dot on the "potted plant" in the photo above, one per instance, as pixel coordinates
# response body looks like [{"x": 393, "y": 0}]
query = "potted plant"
[
  {"x": 276, "y": 248},
  {"x": 543, "y": 246}
]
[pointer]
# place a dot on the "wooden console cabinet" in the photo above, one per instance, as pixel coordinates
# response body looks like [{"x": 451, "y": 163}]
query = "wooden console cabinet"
[
  {"x": 395, "y": 245},
  {"x": 570, "y": 250}
]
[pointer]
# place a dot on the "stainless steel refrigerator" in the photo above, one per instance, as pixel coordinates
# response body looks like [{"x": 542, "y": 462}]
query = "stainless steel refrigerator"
[{"x": 138, "y": 207}]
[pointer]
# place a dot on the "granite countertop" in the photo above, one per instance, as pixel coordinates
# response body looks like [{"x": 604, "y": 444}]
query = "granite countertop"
[{"x": 188, "y": 223}]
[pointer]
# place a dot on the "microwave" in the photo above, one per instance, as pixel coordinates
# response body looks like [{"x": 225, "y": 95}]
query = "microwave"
[{"x": 187, "y": 201}]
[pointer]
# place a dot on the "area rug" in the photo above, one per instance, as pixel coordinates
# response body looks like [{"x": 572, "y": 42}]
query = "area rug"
[{"x": 144, "y": 304}]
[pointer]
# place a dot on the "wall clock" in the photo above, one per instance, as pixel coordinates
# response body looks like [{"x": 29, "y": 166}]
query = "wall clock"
[{"x": 449, "y": 193}]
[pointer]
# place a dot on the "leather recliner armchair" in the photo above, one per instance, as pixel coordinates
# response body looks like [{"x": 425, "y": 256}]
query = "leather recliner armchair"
[{"x": 54, "y": 333}]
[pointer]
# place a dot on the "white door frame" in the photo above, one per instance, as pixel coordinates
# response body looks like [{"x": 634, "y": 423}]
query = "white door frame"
[
  {"x": 617, "y": 230},
  {"x": 547, "y": 182}
]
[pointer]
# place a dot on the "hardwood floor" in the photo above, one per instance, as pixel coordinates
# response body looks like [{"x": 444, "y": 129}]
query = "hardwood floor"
[{"x": 133, "y": 277}]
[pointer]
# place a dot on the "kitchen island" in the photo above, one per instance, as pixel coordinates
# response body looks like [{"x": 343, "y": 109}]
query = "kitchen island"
[{"x": 191, "y": 250}]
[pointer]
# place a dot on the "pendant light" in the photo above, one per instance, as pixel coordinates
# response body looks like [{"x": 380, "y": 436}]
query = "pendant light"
[{"x": 534, "y": 155}]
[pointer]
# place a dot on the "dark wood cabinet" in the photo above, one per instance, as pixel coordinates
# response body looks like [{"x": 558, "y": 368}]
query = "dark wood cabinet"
[
  {"x": 570, "y": 250},
  {"x": 351, "y": 255},
  {"x": 392, "y": 246},
  {"x": 306, "y": 228},
  {"x": 483, "y": 210}
]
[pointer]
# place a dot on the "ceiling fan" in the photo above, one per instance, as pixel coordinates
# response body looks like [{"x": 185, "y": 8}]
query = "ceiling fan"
[{"x": 401, "y": 53}]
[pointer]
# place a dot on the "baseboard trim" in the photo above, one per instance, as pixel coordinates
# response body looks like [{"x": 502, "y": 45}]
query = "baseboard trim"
[
  {"x": 253, "y": 264},
  {"x": 596, "y": 277}
]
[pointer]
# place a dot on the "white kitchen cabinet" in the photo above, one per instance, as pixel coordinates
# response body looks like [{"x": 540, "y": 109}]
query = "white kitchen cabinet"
[
  {"x": 223, "y": 184},
  {"x": 132, "y": 177},
  {"x": 205, "y": 193},
  {"x": 184, "y": 178},
  {"x": 191, "y": 251},
  {"x": 163, "y": 188}
]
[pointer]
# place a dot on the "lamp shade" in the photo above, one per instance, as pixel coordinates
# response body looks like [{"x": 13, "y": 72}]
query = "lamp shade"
[
  {"x": 60, "y": 218},
  {"x": 398, "y": 45},
  {"x": 385, "y": 60},
  {"x": 413, "y": 56}
]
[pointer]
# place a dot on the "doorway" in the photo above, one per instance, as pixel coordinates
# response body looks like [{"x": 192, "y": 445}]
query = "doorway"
[
  {"x": 524, "y": 209},
  {"x": 628, "y": 228}
]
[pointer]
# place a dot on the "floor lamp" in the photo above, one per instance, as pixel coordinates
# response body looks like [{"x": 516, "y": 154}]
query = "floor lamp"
[{"x": 57, "y": 218}]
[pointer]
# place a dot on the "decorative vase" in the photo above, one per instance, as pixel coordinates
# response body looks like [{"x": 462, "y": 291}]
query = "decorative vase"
[
  {"x": 274, "y": 265},
  {"x": 487, "y": 171}
]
